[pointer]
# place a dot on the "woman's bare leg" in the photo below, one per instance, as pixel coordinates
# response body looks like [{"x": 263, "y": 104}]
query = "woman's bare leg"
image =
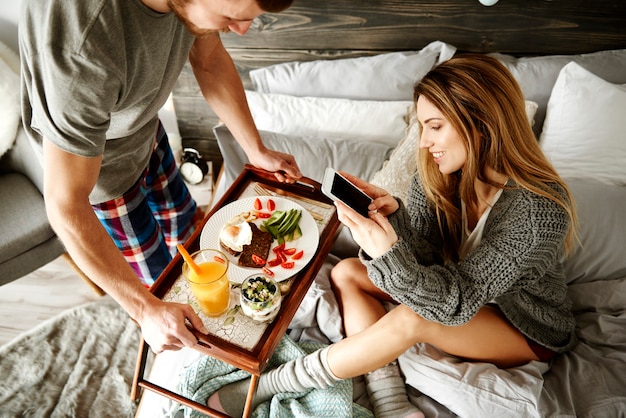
[
  {"x": 359, "y": 300},
  {"x": 376, "y": 338},
  {"x": 361, "y": 304},
  {"x": 487, "y": 337}
]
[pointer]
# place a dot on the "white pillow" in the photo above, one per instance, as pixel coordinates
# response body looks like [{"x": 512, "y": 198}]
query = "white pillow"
[
  {"x": 367, "y": 120},
  {"x": 584, "y": 134},
  {"x": 381, "y": 77},
  {"x": 397, "y": 171},
  {"x": 10, "y": 58},
  {"x": 9, "y": 98}
]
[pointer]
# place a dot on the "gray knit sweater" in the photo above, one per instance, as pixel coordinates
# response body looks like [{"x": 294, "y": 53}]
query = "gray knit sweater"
[{"x": 517, "y": 264}]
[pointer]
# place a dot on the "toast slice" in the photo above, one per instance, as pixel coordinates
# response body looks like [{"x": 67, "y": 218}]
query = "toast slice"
[{"x": 260, "y": 246}]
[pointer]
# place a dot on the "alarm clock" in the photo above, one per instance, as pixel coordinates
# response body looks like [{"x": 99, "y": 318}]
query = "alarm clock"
[{"x": 193, "y": 167}]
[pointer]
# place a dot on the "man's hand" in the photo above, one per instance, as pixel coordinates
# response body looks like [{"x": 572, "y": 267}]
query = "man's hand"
[
  {"x": 283, "y": 165},
  {"x": 164, "y": 326}
]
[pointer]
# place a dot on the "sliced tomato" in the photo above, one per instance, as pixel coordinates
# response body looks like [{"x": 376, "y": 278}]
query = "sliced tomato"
[
  {"x": 271, "y": 205},
  {"x": 290, "y": 251},
  {"x": 287, "y": 264},
  {"x": 218, "y": 259},
  {"x": 263, "y": 215},
  {"x": 258, "y": 260},
  {"x": 281, "y": 256},
  {"x": 274, "y": 262},
  {"x": 279, "y": 248},
  {"x": 298, "y": 255},
  {"x": 267, "y": 271},
  {"x": 257, "y": 204}
]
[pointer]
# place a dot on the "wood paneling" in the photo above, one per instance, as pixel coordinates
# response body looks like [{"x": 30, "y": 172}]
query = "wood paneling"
[
  {"x": 511, "y": 26},
  {"x": 324, "y": 29}
]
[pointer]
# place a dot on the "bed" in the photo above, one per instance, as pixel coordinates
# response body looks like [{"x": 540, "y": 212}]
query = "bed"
[{"x": 329, "y": 81}]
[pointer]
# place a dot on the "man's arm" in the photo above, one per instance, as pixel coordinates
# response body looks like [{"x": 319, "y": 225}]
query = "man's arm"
[
  {"x": 68, "y": 181},
  {"x": 223, "y": 90}
]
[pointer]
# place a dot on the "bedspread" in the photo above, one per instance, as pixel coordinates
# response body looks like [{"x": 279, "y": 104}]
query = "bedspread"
[{"x": 589, "y": 381}]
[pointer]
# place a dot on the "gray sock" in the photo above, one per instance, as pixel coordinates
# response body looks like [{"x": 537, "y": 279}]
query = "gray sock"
[
  {"x": 387, "y": 393},
  {"x": 299, "y": 375}
]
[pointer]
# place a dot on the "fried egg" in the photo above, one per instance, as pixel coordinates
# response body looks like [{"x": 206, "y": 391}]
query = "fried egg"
[{"x": 236, "y": 233}]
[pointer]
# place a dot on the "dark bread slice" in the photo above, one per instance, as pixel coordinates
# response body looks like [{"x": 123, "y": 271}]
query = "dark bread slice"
[{"x": 260, "y": 245}]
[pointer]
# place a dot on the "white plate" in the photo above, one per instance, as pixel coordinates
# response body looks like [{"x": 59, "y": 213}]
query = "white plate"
[{"x": 209, "y": 238}]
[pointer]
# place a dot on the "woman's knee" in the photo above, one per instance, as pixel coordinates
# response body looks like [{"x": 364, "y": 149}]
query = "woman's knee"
[
  {"x": 402, "y": 328},
  {"x": 346, "y": 271},
  {"x": 410, "y": 323}
]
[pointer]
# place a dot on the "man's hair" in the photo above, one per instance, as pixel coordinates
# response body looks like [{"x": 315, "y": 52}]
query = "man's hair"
[{"x": 274, "y": 6}]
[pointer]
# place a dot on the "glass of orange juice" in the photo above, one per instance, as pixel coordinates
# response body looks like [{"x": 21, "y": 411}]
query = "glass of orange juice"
[{"x": 210, "y": 286}]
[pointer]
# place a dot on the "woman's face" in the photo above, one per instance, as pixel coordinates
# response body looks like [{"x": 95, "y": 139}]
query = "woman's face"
[{"x": 440, "y": 138}]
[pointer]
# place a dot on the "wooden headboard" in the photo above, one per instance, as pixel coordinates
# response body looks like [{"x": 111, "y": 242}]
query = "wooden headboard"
[{"x": 324, "y": 29}]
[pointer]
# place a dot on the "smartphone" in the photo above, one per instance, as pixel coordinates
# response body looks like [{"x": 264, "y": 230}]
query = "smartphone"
[{"x": 337, "y": 187}]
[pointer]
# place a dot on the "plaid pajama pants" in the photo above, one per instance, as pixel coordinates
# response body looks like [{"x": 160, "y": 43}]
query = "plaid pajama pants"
[{"x": 153, "y": 216}]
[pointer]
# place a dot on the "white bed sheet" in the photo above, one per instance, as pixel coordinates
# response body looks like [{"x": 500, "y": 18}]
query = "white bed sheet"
[{"x": 589, "y": 381}]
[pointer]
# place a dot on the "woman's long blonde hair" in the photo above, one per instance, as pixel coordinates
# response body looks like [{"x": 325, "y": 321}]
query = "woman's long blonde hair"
[{"x": 485, "y": 105}]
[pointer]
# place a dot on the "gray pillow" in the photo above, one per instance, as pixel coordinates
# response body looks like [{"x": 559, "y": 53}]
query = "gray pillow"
[
  {"x": 537, "y": 75},
  {"x": 602, "y": 252},
  {"x": 313, "y": 154}
]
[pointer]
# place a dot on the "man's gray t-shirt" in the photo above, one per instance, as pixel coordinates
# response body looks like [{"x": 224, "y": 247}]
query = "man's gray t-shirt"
[{"x": 95, "y": 73}]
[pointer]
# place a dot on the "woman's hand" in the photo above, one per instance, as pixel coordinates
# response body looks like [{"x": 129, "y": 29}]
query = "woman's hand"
[
  {"x": 374, "y": 234},
  {"x": 383, "y": 202}
]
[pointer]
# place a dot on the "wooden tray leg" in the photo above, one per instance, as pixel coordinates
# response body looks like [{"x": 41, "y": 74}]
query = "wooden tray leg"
[
  {"x": 139, "y": 369},
  {"x": 254, "y": 382},
  {"x": 140, "y": 383}
]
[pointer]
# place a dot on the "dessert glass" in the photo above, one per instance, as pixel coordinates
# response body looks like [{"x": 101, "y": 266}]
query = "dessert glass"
[{"x": 260, "y": 297}]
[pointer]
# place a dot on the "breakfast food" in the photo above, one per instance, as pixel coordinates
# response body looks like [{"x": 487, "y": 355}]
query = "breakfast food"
[
  {"x": 260, "y": 298},
  {"x": 284, "y": 225},
  {"x": 255, "y": 254},
  {"x": 248, "y": 237},
  {"x": 235, "y": 234}
]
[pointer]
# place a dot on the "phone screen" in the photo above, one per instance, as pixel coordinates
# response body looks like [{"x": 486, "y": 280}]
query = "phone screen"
[{"x": 350, "y": 195}]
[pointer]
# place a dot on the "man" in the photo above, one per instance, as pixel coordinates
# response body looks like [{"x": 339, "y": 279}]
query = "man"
[{"x": 94, "y": 75}]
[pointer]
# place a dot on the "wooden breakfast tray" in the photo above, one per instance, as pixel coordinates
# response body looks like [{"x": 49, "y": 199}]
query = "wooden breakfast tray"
[{"x": 234, "y": 338}]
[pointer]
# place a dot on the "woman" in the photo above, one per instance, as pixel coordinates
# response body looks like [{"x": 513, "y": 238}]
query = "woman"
[{"x": 472, "y": 262}]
